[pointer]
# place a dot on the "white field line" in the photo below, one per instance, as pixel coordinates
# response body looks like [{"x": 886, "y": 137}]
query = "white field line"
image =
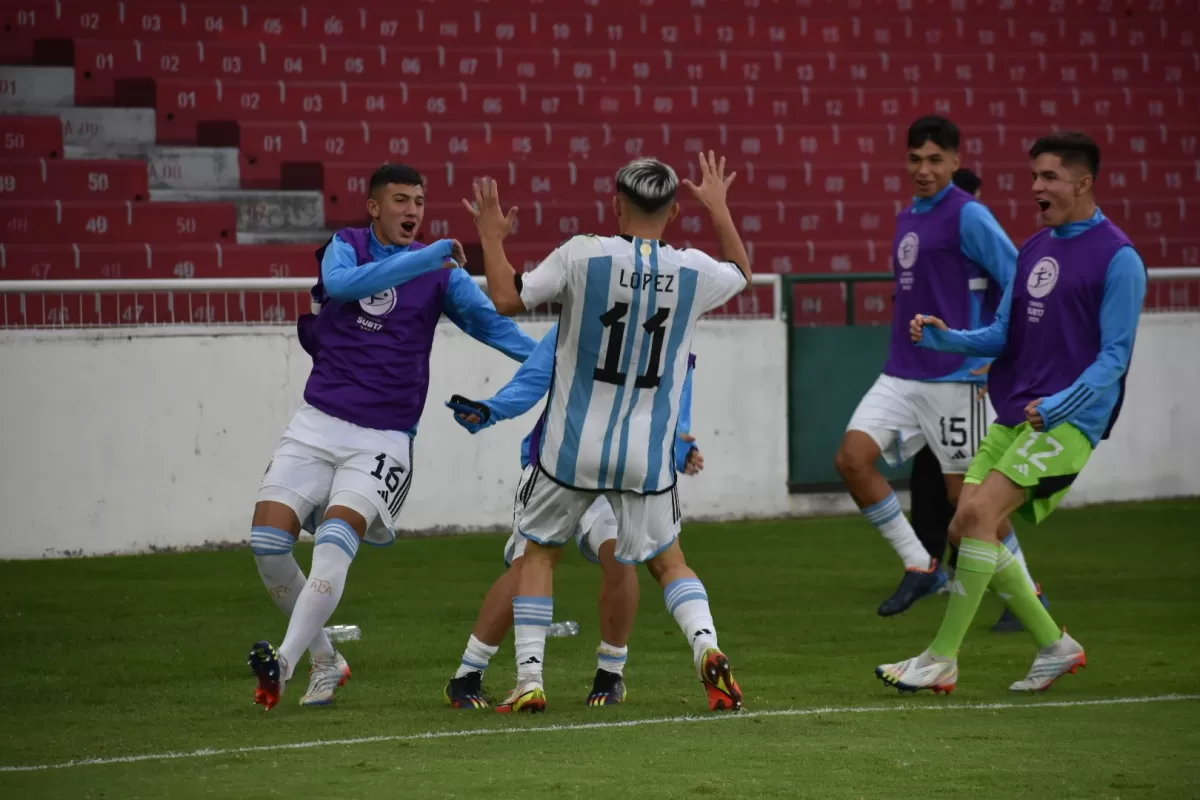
[{"x": 593, "y": 726}]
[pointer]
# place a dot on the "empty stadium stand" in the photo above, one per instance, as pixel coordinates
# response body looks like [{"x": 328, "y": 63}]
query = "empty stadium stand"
[{"x": 219, "y": 138}]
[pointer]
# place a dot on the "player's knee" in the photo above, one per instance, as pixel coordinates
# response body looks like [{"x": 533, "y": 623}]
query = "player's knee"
[
  {"x": 667, "y": 563},
  {"x": 350, "y": 516},
  {"x": 972, "y": 520},
  {"x": 853, "y": 460},
  {"x": 607, "y": 554},
  {"x": 540, "y": 554},
  {"x": 272, "y": 514}
]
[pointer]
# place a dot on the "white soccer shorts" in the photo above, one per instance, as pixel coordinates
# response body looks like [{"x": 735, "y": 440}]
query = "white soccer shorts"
[
  {"x": 550, "y": 514},
  {"x": 321, "y": 456},
  {"x": 597, "y": 525},
  {"x": 902, "y": 416}
]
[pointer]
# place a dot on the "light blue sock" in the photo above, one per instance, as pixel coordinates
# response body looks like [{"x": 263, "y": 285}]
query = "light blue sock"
[
  {"x": 283, "y": 577},
  {"x": 532, "y": 616},
  {"x": 687, "y": 601},
  {"x": 337, "y": 544},
  {"x": 889, "y": 519}
]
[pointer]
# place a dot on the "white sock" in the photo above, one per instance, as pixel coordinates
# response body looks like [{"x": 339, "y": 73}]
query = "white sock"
[
  {"x": 1014, "y": 547},
  {"x": 888, "y": 517},
  {"x": 336, "y": 546},
  {"x": 531, "y": 618},
  {"x": 688, "y": 603},
  {"x": 283, "y": 577},
  {"x": 611, "y": 658},
  {"x": 476, "y": 657}
]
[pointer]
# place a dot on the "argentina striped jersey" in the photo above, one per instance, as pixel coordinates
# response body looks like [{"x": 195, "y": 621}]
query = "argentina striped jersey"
[{"x": 629, "y": 309}]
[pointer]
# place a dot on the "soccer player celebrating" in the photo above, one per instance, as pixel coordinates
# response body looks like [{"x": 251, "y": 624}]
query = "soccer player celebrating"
[
  {"x": 350, "y": 445},
  {"x": 948, "y": 250},
  {"x": 629, "y": 309},
  {"x": 596, "y": 537},
  {"x": 1062, "y": 340},
  {"x": 932, "y": 509}
]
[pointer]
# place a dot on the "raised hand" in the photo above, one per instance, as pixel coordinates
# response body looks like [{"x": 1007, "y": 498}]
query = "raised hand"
[
  {"x": 714, "y": 183},
  {"x": 491, "y": 221}
]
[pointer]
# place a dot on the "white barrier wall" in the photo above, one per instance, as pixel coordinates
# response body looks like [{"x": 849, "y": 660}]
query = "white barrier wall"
[
  {"x": 133, "y": 440},
  {"x": 1155, "y": 447}
]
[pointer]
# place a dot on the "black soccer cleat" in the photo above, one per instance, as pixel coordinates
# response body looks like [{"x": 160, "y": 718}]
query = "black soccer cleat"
[
  {"x": 467, "y": 691},
  {"x": 915, "y": 584},
  {"x": 608, "y": 689}
]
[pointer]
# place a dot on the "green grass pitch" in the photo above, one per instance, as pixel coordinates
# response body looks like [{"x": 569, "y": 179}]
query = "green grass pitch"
[{"x": 131, "y": 656}]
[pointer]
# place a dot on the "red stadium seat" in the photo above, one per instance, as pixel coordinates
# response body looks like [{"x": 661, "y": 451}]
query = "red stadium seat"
[
  {"x": 46, "y": 179},
  {"x": 808, "y": 99},
  {"x": 30, "y": 136},
  {"x": 144, "y": 260},
  {"x": 102, "y": 223}
]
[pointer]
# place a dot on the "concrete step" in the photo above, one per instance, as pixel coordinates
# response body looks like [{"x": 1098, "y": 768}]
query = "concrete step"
[
  {"x": 121, "y": 129},
  {"x": 259, "y": 211},
  {"x": 184, "y": 168},
  {"x": 314, "y": 237},
  {"x": 36, "y": 87}
]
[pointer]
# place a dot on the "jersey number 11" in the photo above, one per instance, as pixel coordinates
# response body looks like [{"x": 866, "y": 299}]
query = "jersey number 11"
[{"x": 656, "y": 329}]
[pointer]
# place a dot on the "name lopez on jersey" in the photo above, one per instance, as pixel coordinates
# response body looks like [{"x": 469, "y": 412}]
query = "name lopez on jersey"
[{"x": 643, "y": 281}]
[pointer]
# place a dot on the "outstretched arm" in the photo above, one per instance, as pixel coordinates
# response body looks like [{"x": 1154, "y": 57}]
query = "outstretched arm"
[
  {"x": 527, "y": 387},
  {"x": 345, "y": 281},
  {"x": 469, "y": 308},
  {"x": 530, "y": 384},
  {"x": 988, "y": 342}
]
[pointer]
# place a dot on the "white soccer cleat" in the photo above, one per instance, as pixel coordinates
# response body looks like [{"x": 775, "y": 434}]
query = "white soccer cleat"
[
  {"x": 529, "y": 697},
  {"x": 324, "y": 679},
  {"x": 1063, "y": 657},
  {"x": 926, "y": 671}
]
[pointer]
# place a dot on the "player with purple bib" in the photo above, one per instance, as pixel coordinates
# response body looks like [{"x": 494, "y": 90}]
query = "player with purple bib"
[
  {"x": 953, "y": 259},
  {"x": 1062, "y": 340},
  {"x": 348, "y": 450}
]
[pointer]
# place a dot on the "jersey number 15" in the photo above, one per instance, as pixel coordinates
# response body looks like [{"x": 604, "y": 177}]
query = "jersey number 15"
[{"x": 656, "y": 329}]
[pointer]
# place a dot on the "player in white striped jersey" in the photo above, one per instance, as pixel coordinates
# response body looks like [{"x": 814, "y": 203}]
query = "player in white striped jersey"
[{"x": 629, "y": 308}]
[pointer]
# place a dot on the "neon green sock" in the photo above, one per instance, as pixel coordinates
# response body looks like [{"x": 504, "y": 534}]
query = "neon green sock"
[
  {"x": 976, "y": 565},
  {"x": 1010, "y": 583}
]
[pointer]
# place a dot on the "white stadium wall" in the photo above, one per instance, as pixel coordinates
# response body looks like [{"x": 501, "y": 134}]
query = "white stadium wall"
[{"x": 124, "y": 441}]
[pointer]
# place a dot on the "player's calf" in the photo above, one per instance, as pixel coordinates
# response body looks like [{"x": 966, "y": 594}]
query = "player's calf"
[{"x": 687, "y": 601}]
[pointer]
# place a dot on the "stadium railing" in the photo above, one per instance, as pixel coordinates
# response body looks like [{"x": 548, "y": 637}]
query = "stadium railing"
[
  {"x": 221, "y": 302},
  {"x": 833, "y": 299}
]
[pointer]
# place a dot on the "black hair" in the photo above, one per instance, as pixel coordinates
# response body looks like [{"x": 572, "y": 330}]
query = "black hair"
[
  {"x": 649, "y": 184},
  {"x": 1074, "y": 148},
  {"x": 966, "y": 180},
  {"x": 395, "y": 173},
  {"x": 938, "y": 130}
]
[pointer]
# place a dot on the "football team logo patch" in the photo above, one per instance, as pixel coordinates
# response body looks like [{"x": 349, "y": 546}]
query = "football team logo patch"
[
  {"x": 379, "y": 305},
  {"x": 1042, "y": 278},
  {"x": 906, "y": 253}
]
